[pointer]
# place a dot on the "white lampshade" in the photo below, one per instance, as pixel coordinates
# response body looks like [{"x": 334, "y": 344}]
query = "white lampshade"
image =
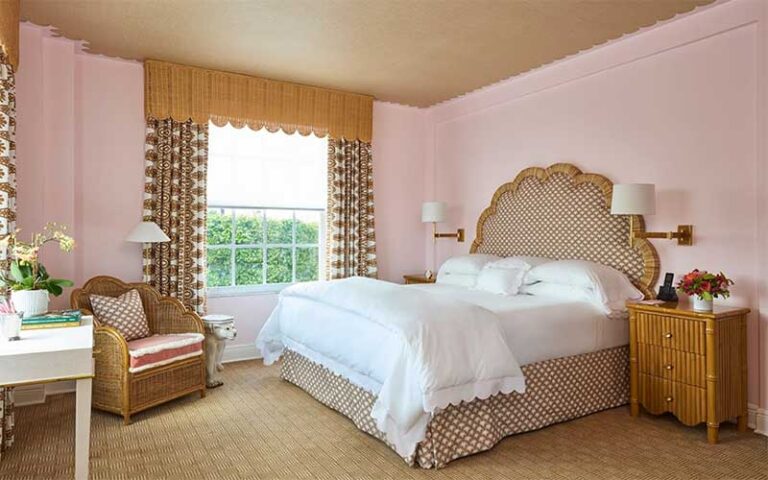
[
  {"x": 147, "y": 232},
  {"x": 433, "y": 212},
  {"x": 634, "y": 199}
]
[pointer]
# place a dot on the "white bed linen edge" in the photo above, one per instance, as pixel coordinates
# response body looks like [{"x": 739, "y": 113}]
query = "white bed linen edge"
[{"x": 448, "y": 351}]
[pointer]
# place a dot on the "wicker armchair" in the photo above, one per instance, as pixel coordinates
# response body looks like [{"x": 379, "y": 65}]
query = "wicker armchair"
[{"x": 115, "y": 388}]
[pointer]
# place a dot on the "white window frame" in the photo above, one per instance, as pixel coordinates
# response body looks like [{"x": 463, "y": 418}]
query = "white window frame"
[{"x": 233, "y": 290}]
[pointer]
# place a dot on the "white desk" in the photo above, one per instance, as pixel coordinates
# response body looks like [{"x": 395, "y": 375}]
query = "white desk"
[{"x": 51, "y": 355}]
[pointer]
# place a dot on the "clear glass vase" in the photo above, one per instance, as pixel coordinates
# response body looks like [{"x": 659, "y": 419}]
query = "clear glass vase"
[{"x": 10, "y": 326}]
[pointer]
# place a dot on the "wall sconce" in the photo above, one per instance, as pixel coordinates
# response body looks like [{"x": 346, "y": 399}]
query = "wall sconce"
[
  {"x": 434, "y": 212},
  {"x": 640, "y": 199}
]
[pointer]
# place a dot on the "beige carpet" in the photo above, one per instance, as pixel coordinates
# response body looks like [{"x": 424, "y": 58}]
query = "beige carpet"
[{"x": 257, "y": 426}]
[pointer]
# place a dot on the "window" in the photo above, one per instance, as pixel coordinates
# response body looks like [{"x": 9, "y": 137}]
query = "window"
[{"x": 266, "y": 209}]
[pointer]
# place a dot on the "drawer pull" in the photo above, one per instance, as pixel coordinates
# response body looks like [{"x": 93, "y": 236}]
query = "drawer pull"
[
  {"x": 669, "y": 399},
  {"x": 669, "y": 366},
  {"x": 668, "y": 335}
]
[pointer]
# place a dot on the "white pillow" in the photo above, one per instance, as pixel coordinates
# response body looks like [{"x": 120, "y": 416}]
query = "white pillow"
[
  {"x": 467, "y": 264},
  {"x": 611, "y": 288},
  {"x": 566, "y": 292},
  {"x": 463, "y": 270},
  {"x": 459, "y": 279},
  {"x": 501, "y": 281},
  {"x": 518, "y": 261}
]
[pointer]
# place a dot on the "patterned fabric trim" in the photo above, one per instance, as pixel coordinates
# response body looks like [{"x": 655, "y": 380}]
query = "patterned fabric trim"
[
  {"x": 7, "y": 211},
  {"x": 557, "y": 390},
  {"x": 562, "y": 213},
  {"x": 176, "y": 166},
  {"x": 7, "y": 419},
  {"x": 351, "y": 239}
]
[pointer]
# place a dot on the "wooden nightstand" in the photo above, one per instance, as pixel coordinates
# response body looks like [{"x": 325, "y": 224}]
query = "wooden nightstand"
[
  {"x": 409, "y": 279},
  {"x": 691, "y": 364}
]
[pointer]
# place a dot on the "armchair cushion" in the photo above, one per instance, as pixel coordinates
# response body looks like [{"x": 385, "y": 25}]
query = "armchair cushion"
[
  {"x": 124, "y": 313},
  {"x": 157, "y": 350}
]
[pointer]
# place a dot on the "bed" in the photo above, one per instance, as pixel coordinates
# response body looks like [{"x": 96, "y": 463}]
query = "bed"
[{"x": 573, "y": 358}]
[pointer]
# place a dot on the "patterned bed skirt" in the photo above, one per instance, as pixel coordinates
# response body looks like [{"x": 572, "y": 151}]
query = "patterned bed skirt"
[{"x": 557, "y": 390}]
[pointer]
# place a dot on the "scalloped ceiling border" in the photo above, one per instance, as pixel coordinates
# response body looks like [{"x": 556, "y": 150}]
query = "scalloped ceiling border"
[{"x": 368, "y": 35}]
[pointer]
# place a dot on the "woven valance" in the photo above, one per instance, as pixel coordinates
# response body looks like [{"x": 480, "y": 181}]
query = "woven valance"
[
  {"x": 9, "y": 31},
  {"x": 182, "y": 92}
]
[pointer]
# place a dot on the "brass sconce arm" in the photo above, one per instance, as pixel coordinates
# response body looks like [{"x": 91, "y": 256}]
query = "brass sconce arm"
[
  {"x": 459, "y": 235},
  {"x": 684, "y": 234}
]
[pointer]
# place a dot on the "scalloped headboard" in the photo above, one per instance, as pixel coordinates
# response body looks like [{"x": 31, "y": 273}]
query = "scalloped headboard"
[{"x": 560, "y": 212}]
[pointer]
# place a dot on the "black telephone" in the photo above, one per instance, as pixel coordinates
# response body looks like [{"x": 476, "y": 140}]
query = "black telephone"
[{"x": 667, "y": 291}]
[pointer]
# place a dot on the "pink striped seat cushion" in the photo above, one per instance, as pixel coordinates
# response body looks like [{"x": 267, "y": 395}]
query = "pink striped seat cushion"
[{"x": 160, "y": 350}]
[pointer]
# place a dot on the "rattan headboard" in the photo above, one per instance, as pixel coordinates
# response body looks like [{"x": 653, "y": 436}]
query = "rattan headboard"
[{"x": 560, "y": 212}]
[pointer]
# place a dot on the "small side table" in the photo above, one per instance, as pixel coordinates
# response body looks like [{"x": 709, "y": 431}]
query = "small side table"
[
  {"x": 218, "y": 329},
  {"x": 692, "y": 364},
  {"x": 420, "y": 278}
]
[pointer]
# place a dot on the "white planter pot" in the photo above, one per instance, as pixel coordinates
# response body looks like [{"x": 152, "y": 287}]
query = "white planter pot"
[
  {"x": 701, "y": 305},
  {"x": 30, "y": 302}
]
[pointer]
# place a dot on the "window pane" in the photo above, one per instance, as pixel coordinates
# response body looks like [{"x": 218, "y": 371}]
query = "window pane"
[
  {"x": 219, "y": 226},
  {"x": 279, "y": 226},
  {"x": 219, "y": 267},
  {"x": 279, "y": 265},
  {"x": 248, "y": 227},
  {"x": 249, "y": 266},
  {"x": 307, "y": 264},
  {"x": 307, "y": 227}
]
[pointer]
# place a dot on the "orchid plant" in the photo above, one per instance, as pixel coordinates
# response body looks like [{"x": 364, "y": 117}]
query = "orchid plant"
[
  {"x": 26, "y": 271},
  {"x": 705, "y": 285}
]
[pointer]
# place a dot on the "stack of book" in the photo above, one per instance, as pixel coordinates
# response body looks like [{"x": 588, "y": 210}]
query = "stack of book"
[{"x": 58, "y": 319}]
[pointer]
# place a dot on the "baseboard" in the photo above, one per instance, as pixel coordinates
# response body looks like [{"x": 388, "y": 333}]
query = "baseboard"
[
  {"x": 56, "y": 388},
  {"x": 238, "y": 353},
  {"x": 36, "y": 394},
  {"x": 758, "y": 419},
  {"x": 29, "y": 395}
]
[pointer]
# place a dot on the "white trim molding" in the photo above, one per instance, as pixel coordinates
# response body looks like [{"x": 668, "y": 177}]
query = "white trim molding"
[
  {"x": 757, "y": 419},
  {"x": 240, "y": 353}
]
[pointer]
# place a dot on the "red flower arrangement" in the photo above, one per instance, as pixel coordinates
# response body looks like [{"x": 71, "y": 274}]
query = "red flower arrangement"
[{"x": 705, "y": 285}]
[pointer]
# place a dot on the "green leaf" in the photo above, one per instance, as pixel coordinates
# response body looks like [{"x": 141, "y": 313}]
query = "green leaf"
[
  {"x": 42, "y": 273},
  {"x": 27, "y": 283},
  {"x": 61, "y": 282},
  {"x": 54, "y": 289},
  {"x": 16, "y": 272}
]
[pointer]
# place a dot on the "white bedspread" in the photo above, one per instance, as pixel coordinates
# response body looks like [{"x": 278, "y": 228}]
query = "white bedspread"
[{"x": 432, "y": 350}]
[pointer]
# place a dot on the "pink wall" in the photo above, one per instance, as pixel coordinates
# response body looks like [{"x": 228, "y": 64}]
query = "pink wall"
[
  {"x": 398, "y": 178},
  {"x": 678, "y": 106},
  {"x": 80, "y": 152}
]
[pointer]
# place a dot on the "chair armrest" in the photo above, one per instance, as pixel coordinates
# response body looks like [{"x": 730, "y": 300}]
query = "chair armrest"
[
  {"x": 110, "y": 353},
  {"x": 169, "y": 315}
]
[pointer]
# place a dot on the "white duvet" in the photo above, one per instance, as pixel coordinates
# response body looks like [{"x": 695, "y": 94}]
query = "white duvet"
[{"x": 434, "y": 351}]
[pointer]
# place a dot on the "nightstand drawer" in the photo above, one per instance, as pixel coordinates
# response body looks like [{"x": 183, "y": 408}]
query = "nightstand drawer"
[
  {"x": 670, "y": 332},
  {"x": 687, "y": 403},
  {"x": 671, "y": 364}
]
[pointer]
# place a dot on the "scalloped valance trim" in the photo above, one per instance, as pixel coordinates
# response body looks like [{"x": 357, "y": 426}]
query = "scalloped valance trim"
[
  {"x": 182, "y": 92},
  {"x": 9, "y": 31}
]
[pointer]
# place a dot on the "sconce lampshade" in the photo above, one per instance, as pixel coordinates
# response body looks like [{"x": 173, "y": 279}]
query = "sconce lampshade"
[
  {"x": 633, "y": 199},
  {"x": 433, "y": 212},
  {"x": 147, "y": 232}
]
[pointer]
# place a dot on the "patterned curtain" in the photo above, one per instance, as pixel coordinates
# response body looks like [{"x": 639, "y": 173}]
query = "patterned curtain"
[
  {"x": 176, "y": 164},
  {"x": 7, "y": 210},
  {"x": 351, "y": 242}
]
